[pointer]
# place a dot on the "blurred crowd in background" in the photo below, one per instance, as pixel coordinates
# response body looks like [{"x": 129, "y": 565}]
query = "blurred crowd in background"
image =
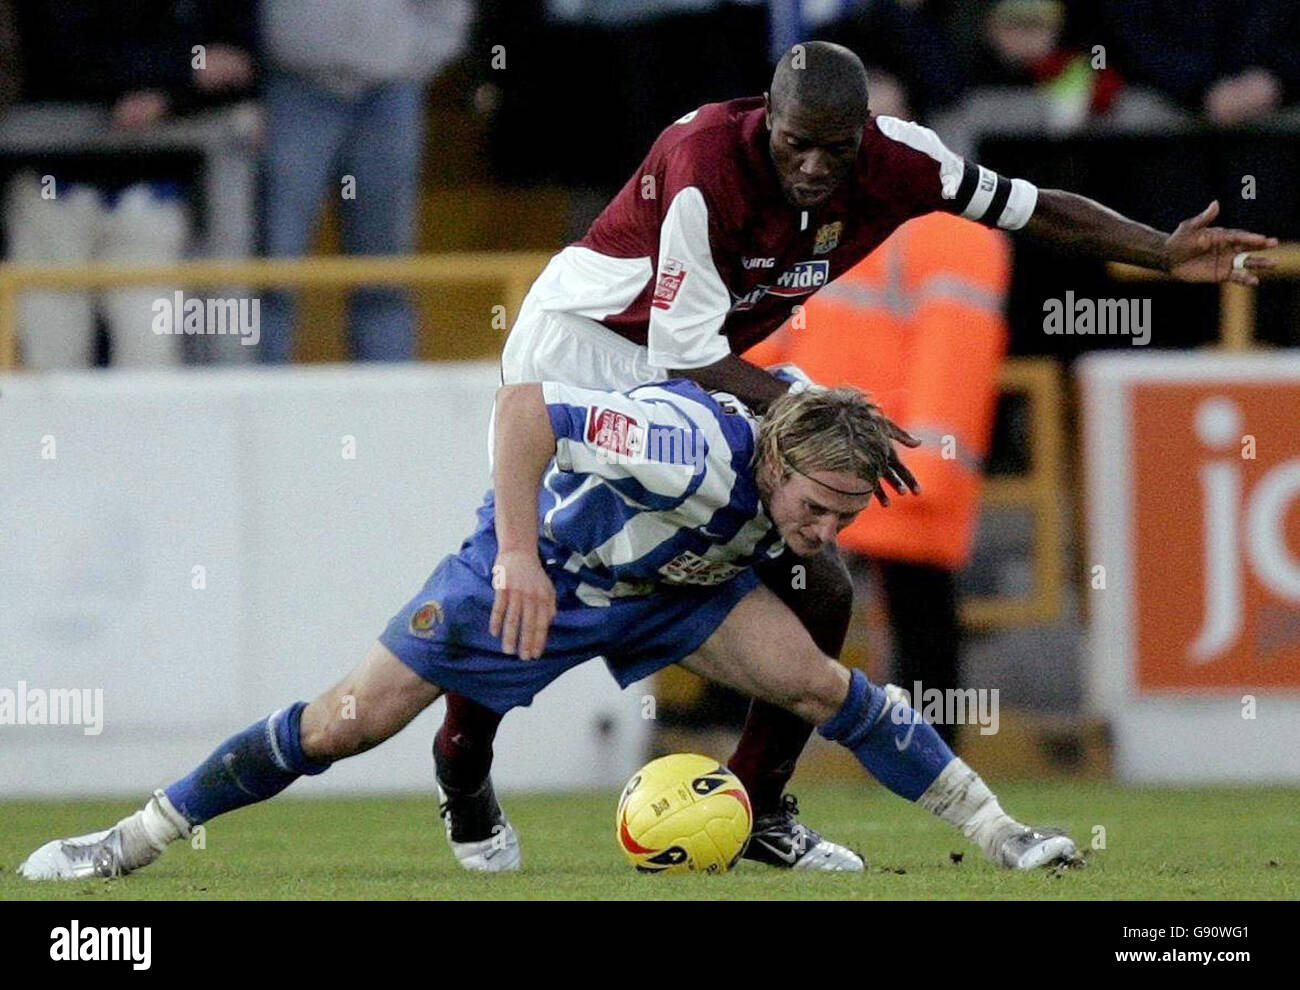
[{"x": 102, "y": 103}]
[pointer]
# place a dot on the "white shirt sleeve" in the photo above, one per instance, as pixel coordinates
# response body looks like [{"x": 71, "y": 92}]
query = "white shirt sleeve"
[
  {"x": 968, "y": 189},
  {"x": 690, "y": 300}
]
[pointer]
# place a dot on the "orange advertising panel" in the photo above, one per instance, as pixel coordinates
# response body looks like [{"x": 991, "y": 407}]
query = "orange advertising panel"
[{"x": 1216, "y": 534}]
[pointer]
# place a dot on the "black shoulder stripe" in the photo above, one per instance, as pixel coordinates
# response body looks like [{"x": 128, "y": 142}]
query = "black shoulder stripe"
[
  {"x": 999, "y": 202},
  {"x": 970, "y": 177}
]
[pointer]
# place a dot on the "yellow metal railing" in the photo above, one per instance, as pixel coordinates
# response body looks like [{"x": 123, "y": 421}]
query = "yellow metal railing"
[
  {"x": 512, "y": 271},
  {"x": 1039, "y": 491},
  {"x": 1236, "y": 302}
]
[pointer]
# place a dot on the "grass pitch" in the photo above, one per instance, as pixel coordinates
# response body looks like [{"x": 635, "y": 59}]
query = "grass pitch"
[{"x": 1159, "y": 843}]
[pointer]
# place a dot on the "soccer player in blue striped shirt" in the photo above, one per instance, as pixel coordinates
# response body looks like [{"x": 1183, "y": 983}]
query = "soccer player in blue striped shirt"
[{"x": 621, "y": 525}]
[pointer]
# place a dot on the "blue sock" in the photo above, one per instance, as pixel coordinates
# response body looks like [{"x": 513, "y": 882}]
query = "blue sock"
[
  {"x": 252, "y": 766},
  {"x": 897, "y": 746}
]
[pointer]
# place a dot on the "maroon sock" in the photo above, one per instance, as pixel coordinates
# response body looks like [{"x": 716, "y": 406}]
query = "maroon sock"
[
  {"x": 462, "y": 749},
  {"x": 764, "y": 759}
]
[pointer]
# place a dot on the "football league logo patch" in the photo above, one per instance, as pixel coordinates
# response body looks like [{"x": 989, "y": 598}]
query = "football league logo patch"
[
  {"x": 828, "y": 237},
  {"x": 671, "y": 275},
  {"x": 425, "y": 619},
  {"x": 614, "y": 431}
]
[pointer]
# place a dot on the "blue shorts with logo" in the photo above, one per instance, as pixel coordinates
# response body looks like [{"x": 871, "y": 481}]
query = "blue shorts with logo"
[{"x": 442, "y": 633}]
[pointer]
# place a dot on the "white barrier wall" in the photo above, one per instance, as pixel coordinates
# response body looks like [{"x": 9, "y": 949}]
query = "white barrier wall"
[{"x": 204, "y": 546}]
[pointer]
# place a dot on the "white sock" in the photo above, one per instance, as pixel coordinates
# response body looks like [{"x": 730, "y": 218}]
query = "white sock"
[
  {"x": 960, "y": 797},
  {"x": 147, "y": 832}
]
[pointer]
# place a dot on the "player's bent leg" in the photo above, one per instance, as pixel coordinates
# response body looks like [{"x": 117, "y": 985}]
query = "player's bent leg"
[
  {"x": 779, "y": 838},
  {"x": 762, "y": 649},
  {"x": 369, "y": 705},
  {"x": 820, "y": 593}
]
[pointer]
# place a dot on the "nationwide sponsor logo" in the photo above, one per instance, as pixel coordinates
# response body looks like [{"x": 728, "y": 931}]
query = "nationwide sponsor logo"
[
  {"x": 799, "y": 279},
  {"x": 802, "y": 278},
  {"x": 690, "y": 568},
  {"x": 671, "y": 275},
  {"x": 425, "y": 619},
  {"x": 615, "y": 431},
  {"x": 828, "y": 237},
  {"x": 750, "y": 263}
]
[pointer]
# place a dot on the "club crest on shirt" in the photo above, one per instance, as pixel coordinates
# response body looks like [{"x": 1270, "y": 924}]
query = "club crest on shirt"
[
  {"x": 425, "y": 619},
  {"x": 671, "y": 275},
  {"x": 828, "y": 237},
  {"x": 614, "y": 431}
]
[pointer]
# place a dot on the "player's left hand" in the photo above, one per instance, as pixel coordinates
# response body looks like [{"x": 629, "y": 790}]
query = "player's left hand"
[
  {"x": 896, "y": 473},
  {"x": 1198, "y": 252},
  {"x": 523, "y": 604}
]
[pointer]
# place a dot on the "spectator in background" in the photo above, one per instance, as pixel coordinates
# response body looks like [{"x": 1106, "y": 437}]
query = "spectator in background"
[
  {"x": 1231, "y": 60},
  {"x": 345, "y": 118},
  {"x": 620, "y": 69},
  {"x": 1024, "y": 74},
  {"x": 904, "y": 38},
  {"x": 136, "y": 65}
]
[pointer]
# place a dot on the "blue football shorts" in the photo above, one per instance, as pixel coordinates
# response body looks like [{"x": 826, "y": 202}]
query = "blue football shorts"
[{"x": 442, "y": 633}]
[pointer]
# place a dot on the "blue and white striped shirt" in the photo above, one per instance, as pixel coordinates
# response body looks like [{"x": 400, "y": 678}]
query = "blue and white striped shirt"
[{"x": 654, "y": 485}]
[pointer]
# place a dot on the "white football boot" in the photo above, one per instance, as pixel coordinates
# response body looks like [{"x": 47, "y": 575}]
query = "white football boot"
[
  {"x": 1028, "y": 848},
  {"x": 136, "y": 841},
  {"x": 480, "y": 835},
  {"x": 98, "y": 854},
  {"x": 779, "y": 839}
]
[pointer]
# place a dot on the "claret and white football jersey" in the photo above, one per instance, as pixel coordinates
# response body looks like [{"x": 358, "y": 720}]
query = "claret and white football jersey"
[{"x": 700, "y": 254}]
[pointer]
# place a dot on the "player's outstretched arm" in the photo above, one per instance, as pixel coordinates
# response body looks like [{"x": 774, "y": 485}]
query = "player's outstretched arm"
[
  {"x": 1195, "y": 252},
  {"x": 524, "y": 443}
]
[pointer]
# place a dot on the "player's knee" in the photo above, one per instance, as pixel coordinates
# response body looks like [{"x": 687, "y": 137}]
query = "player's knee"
[
  {"x": 817, "y": 698},
  {"x": 326, "y": 734},
  {"x": 313, "y": 733}
]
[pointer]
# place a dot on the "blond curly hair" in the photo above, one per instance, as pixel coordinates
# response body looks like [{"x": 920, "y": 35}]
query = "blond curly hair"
[{"x": 826, "y": 429}]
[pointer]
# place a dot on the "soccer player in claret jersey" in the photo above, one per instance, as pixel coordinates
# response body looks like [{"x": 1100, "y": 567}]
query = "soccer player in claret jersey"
[
  {"x": 622, "y": 525},
  {"x": 740, "y": 211}
]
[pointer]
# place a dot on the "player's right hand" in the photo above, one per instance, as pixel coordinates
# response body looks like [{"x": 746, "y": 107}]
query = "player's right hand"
[
  {"x": 896, "y": 472},
  {"x": 524, "y": 603}
]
